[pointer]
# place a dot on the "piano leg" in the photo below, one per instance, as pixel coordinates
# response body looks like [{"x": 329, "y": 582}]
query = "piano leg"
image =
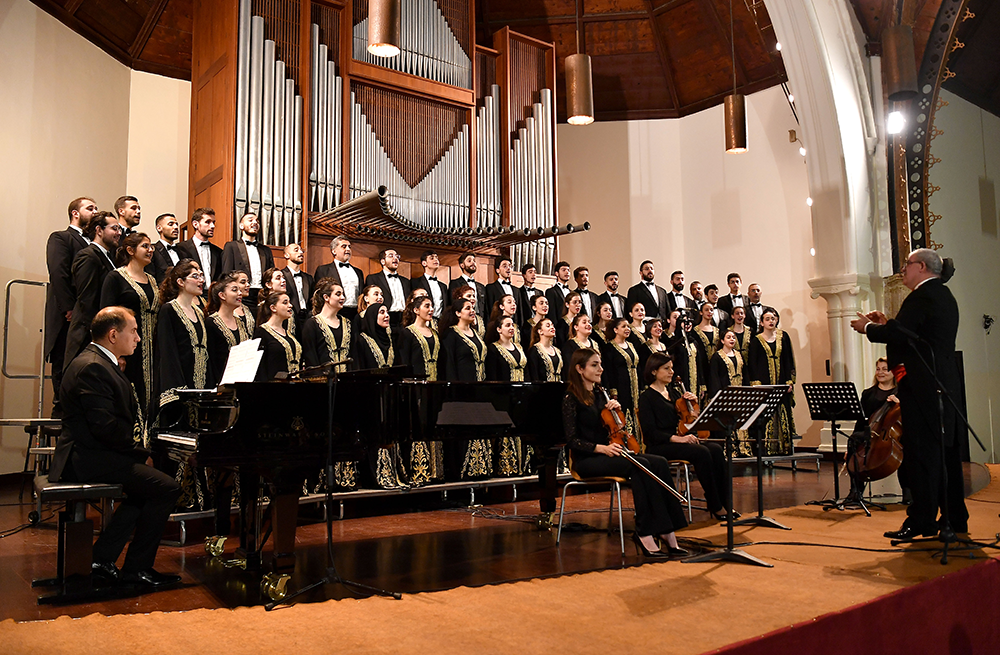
[
  {"x": 250, "y": 520},
  {"x": 284, "y": 517},
  {"x": 547, "y": 468}
]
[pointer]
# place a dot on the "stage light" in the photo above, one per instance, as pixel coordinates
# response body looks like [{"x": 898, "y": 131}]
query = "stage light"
[
  {"x": 895, "y": 122},
  {"x": 383, "y": 28},
  {"x": 809, "y": 201}
]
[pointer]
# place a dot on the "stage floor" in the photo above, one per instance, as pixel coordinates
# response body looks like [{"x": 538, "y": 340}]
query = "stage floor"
[{"x": 416, "y": 544}]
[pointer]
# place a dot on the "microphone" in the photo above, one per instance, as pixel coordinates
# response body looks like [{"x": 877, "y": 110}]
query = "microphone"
[{"x": 907, "y": 332}]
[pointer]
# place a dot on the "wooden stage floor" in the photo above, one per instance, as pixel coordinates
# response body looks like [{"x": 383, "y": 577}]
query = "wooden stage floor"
[{"x": 408, "y": 544}]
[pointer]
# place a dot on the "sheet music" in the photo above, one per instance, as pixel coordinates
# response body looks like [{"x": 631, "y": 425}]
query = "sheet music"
[{"x": 244, "y": 359}]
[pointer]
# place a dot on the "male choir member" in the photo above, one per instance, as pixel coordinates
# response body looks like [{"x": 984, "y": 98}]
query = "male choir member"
[
  {"x": 467, "y": 264},
  {"x": 527, "y": 290},
  {"x": 755, "y": 308},
  {"x": 696, "y": 294},
  {"x": 652, "y": 296},
  {"x": 611, "y": 295},
  {"x": 420, "y": 347},
  {"x": 772, "y": 361},
  {"x": 930, "y": 311},
  {"x": 282, "y": 351},
  {"x": 505, "y": 362},
  {"x": 165, "y": 253},
  {"x": 557, "y": 292},
  {"x": 298, "y": 283},
  {"x": 734, "y": 298},
  {"x": 395, "y": 288},
  {"x": 61, "y": 249},
  {"x": 503, "y": 287},
  {"x": 199, "y": 248},
  {"x": 349, "y": 277},
  {"x": 90, "y": 266},
  {"x": 676, "y": 298},
  {"x": 127, "y": 212},
  {"x": 657, "y": 512},
  {"x": 464, "y": 354},
  {"x": 249, "y": 255},
  {"x": 621, "y": 377},
  {"x": 545, "y": 362},
  {"x": 659, "y": 419},
  {"x": 429, "y": 282},
  {"x": 132, "y": 287},
  {"x": 327, "y": 336},
  {"x": 582, "y": 277},
  {"x": 726, "y": 369},
  {"x": 98, "y": 445},
  {"x": 539, "y": 310},
  {"x": 720, "y": 317},
  {"x": 572, "y": 307}
]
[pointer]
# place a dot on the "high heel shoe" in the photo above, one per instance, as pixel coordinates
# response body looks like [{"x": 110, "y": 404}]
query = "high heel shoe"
[
  {"x": 640, "y": 548},
  {"x": 677, "y": 553},
  {"x": 723, "y": 516}
]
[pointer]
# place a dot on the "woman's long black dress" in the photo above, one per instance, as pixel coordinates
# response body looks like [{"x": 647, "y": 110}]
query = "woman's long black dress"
[{"x": 143, "y": 299}]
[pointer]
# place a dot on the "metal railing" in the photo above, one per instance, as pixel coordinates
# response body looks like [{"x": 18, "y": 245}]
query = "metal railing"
[{"x": 6, "y": 328}]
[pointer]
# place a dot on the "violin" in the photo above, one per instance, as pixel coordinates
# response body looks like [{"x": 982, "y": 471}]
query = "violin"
[
  {"x": 883, "y": 453},
  {"x": 689, "y": 412}
]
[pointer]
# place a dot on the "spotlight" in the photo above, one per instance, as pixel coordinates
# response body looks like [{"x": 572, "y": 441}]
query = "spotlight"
[
  {"x": 895, "y": 123},
  {"x": 809, "y": 201},
  {"x": 802, "y": 151},
  {"x": 791, "y": 98},
  {"x": 777, "y": 46},
  {"x": 812, "y": 251}
]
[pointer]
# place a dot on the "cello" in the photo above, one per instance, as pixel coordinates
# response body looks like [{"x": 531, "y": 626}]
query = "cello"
[{"x": 883, "y": 453}]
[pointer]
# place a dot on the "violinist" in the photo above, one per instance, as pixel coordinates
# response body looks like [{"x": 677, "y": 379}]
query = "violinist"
[
  {"x": 657, "y": 513},
  {"x": 659, "y": 420},
  {"x": 882, "y": 391}
]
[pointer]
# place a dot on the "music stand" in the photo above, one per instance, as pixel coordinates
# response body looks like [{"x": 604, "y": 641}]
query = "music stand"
[
  {"x": 775, "y": 395},
  {"x": 732, "y": 409},
  {"x": 835, "y": 402}
]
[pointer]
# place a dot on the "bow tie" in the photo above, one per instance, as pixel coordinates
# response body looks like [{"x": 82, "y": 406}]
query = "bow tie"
[
  {"x": 299, "y": 274},
  {"x": 649, "y": 284},
  {"x": 431, "y": 277},
  {"x": 250, "y": 243},
  {"x": 203, "y": 243},
  {"x": 343, "y": 265},
  {"x": 170, "y": 248},
  {"x": 755, "y": 304},
  {"x": 392, "y": 275}
]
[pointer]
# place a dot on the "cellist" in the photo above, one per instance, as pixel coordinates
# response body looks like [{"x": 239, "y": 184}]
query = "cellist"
[
  {"x": 657, "y": 512},
  {"x": 882, "y": 391}
]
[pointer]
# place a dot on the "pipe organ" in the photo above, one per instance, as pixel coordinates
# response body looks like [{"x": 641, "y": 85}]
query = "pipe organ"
[{"x": 449, "y": 145}]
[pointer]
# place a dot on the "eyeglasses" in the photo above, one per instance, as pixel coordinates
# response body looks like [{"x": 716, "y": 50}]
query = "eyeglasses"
[{"x": 196, "y": 276}]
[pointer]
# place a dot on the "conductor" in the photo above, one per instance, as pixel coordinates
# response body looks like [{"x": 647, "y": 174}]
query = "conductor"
[
  {"x": 927, "y": 323},
  {"x": 98, "y": 444}
]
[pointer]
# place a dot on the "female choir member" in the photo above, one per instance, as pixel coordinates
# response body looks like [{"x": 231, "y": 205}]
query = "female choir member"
[
  {"x": 540, "y": 307},
  {"x": 654, "y": 342},
  {"x": 604, "y": 313},
  {"x": 657, "y": 512},
  {"x": 370, "y": 295},
  {"x": 726, "y": 369},
  {"x": 274, "y": 281},
  {"x": 282, "y": 351},
  {"x": 420, "y": 347},
  {"x": 545, "y": 362},
  {"x": 572, "y": 306},
  {"x": 580, "y": 336},
  {"x": 621, "y": 377},
  {"x": 684, "y": 352},
  {"x": 130, "y": 286},
  {"x": 742, "y": 332},
  {"x": 225, "y": 329},
  {"x": 326, "y": 336},
  {"x": 637, "y": 325},
  {"x": 506, "y": 306},
  {"x": 246, "y": 311},
  {"x": 659, "y": 418},
  {"x": 468, "y": 293},
  {"x": 707, "y": 340},
  {"x": 465, "y": 361},
  {"x": 771, "y": 361},
  {"x": 505, "y": 362}
]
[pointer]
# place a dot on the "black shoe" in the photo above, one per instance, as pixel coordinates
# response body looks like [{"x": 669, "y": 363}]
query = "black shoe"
[
  {"x": 907, "y": 533},
  {"x": 105, "y": 571},
  {"x": 150, "y": 577},
  {"x": 640, "y": 547},
  {"x": 677, "y": 553},
  {"x": 722, "y": 516}
]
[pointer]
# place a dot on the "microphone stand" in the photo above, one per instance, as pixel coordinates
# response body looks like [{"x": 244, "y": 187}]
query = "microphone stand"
[{"x": 332, "y": 575}]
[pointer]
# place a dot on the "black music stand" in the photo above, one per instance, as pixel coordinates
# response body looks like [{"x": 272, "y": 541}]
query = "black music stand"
[
  {"x": 835, "y": 402},
  {"x": 332, "y": 575},
  {"x": 730, "y": 410},
  {"x": 772, "y": 400}
]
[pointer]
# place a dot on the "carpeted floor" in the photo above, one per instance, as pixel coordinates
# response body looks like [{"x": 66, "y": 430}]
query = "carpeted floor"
[{"x": 663, "y": 608}]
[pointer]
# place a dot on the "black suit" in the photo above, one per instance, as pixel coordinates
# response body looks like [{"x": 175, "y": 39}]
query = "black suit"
[
  {"x": 585, "y": 297},
  {"x": 615, "y": 313},
  {"x": 90, "y": 267},
  {"x": 60, "y": 251},
  {"x": 421, "y": 282},
  {"x": 302, "y": 305},
  {"x": 381, "y": 281},
  {"x": 655, "y": 304},
  {"x": 460, "y": 281},
  {"x": 726, "y": 303},
  {"x": 524, "y": 299},
  {"x": 557, "y": 301},
  {"x": 236, "y": 257},
  {"x": 494, "y": 292},
  {"x": 97, "y": 445},
  {"x": 751, "y": 319},
  {"x": 932, "y": 313},
  {"x": 332, "y": 271},
  {"x": 161, "y": 261},
  {"x": 672, "y": 303},
  {"x": 189, "y": 250},
  {"x": 724, "y": 320}
]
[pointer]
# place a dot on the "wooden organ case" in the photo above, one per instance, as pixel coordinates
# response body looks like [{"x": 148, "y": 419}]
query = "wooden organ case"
[{"x": 448, "y": 146}]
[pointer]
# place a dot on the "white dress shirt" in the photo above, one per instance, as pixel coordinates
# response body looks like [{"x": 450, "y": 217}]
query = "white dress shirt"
[
  {"x": 171, "y": 249},
  {"x": 396, "y": 289},
  {"x": 204, "y": 255},
  {"x": 737, "y": 300},
  {"x": 348, "y": 280},
  {"x": 253, "y": 259},
  {"x": 681, "y": 301},
  {"x": 436, "y": 296}
]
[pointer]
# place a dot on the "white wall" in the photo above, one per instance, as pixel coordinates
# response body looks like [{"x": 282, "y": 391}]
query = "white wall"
[
  {"x": 667, "y": 191},
  {"x": 969, "y": 150}
]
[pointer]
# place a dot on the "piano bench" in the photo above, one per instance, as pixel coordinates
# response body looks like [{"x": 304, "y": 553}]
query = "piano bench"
[
  {"x": 75, "y": 551},
  {"x": 616, "y": 494}
]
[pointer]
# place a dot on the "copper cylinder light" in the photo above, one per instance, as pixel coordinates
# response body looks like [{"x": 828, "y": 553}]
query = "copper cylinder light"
[
  {"x": 383, "y": 27},
  {"x": 899, "y": 64},
  {"x": 579, "y": 90},
  {"x": 736, "y": 123}
]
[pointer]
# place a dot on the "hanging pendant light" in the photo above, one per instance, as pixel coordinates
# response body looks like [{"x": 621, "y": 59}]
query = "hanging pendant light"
[
  {"x": 383, "y": 27},
  {"x": 899, "y": 64},
  {"x": 579, "y": 86},
  {"x": 735, "y": 104}
]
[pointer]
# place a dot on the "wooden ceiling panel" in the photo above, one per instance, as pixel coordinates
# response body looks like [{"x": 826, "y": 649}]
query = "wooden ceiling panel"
[
  {"x": 619, "y": 37},
  {"x": 516, "y": 11},
  {"x": 598, "y": 7},
  {"x": 629, "y": 83},
  {"x": 700, "y": 62},
  {"x": 119, "y": 22}
]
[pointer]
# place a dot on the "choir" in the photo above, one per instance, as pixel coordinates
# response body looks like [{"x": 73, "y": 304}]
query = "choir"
[{"x": 466, "y": 331}]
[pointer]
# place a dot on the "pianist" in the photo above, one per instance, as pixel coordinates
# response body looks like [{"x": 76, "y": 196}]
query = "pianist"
[{"x": 98, "y": 444}]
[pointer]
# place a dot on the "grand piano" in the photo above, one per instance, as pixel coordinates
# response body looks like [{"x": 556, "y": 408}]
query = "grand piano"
[{"x": 276, "y": 432}]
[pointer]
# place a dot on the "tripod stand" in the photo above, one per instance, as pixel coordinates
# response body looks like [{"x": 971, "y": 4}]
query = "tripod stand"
[
  {"x": 835, "y": 402},
  {"x": 769, "y": 405},
  {"x": 332, "y": 575}
]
